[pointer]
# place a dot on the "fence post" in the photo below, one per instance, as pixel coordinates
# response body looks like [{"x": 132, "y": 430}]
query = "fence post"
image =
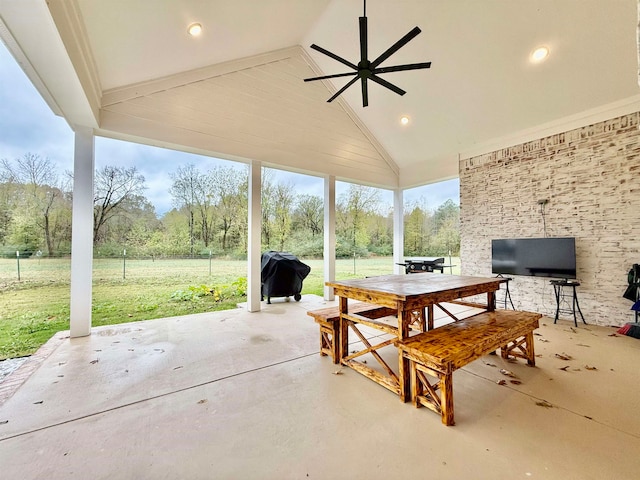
[{"x": 18, "y": 260}]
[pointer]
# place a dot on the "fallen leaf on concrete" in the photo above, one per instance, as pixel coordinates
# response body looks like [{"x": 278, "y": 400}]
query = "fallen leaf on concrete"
[
  {"x": 564, "y": 356},
  {"x": 573, "y": 330},
  {"x": 364, "y": 361},
  {"x": 501, "y": 382},
  {"x": 564, "y": 368},
  {"x": 544, "y": 403},
  {"x": 612, "y": 335},
  {"x": 544, "y": 340},
  {"x": 490, "y": 364},
  {"x": 589, "y": 367},
  {"x": 338, "y": 372},
  {"x": 204, "y": 400},
  {"x": 516, "y": 382},
  {"x": 94, "y": 361},
  {"x": 508, "y": 373},
  {"x": 161, "y": 350},
  {"x": 582, "y": 345},
  {"x": 60, "y": 376},
  {"x": 178, "y": 367},
  {"x": 4, "y": 422},
  {"x": 538, "y": 334},
  {"x": 39, "y": 403},
  {"x": 98, "y": 350},
  {"x": 539, "y": 355}
]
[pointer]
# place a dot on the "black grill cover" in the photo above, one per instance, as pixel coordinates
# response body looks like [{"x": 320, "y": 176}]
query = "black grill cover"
[{"x": 282, "y": 275}]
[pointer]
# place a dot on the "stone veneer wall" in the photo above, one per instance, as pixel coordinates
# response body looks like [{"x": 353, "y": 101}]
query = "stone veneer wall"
[{"x": 591, "y": 177}]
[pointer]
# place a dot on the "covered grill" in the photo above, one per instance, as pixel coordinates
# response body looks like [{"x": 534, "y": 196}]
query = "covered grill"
[{"x": 282, "y": 275}]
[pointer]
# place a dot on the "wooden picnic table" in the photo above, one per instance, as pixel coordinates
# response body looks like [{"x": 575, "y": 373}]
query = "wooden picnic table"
[{"x": 404, "y": 295}]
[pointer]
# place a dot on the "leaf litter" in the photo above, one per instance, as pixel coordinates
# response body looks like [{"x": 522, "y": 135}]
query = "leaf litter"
[
  {"x": 508, "y": 373},
  {"x": 564, "y": 356}
]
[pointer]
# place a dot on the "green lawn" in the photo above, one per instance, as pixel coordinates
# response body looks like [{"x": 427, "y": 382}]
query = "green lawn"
[{"x": 37, "y": 306}]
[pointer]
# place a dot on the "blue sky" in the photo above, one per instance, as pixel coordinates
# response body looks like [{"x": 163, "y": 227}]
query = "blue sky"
[{"x": 27, "y": 125}]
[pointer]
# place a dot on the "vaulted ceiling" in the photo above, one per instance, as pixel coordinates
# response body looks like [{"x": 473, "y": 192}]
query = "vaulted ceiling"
[{"x": 128, "y": 69}]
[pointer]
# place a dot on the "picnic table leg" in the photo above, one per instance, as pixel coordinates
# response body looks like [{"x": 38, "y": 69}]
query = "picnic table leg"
[
  {"x": 404, "y": 378},
  {"x": 343, "y": 338},
  {"x": 491, "y": 301},
  {"x": 430, "y": 317}
]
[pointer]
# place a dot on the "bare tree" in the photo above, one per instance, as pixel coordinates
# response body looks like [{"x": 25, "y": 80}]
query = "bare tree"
[
  {"x": 310, "y": 213},
  {"x": 113, "y": 187},
  {"x": 194, "y": 191},
  {"x": 39, "y": 179},
  {"x": 283, "y": 201},
  {"x": 354, "y": 207},
  {"x": 229, "y": 187}
]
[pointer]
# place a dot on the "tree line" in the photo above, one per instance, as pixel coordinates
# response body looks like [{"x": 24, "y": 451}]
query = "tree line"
[{"x": 209, "y": 215}]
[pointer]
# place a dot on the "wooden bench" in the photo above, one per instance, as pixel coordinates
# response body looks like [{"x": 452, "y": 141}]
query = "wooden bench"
[
  {"x": 439, "y": 352},
  {"x": 329, "y": 321}
]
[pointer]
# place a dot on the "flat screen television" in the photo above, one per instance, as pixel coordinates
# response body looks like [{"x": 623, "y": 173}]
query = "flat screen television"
[{"x": 537, "y": 257}]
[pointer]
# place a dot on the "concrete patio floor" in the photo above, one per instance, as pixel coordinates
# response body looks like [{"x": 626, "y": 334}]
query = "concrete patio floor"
[{"x": 237, "y": 395}]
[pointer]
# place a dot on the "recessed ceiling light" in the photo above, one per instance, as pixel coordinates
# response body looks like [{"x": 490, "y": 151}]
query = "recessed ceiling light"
[
  {"x": 539, "y": 54},
  {"x": 404, "y": 120},
  {"x": 194, "y": 29}
]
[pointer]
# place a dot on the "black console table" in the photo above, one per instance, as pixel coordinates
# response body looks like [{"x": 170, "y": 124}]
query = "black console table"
[{"x": 561, "y": 295}]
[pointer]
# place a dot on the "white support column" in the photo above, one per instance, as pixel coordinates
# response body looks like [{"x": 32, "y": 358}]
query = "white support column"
[
  {"x": 82, "y": 233},
  {"x": 254, "y": 282},
  {"x": 398, "y": 230},
  {"x": 329, "y": 234}
]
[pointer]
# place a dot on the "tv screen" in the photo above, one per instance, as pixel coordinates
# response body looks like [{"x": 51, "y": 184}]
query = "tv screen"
[{"x": 537, "y": 257}]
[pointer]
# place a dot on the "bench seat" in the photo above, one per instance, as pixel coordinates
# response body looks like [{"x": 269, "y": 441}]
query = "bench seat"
[{"x": 439, "y": 352}]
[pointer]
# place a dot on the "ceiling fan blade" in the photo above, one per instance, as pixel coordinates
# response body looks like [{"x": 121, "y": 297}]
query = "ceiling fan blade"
[
  {"x": 334, "y": 56},
  {"x": 324, "y": 77},
  {"x": 351, "y": 82},
  {"x": 365, "y": 92},
  {"x": 384, "y": 83},
  {"x": 395, "y": 47},
  {"x": 363, "y": 39},
  {"x": 400, "y": 68}
]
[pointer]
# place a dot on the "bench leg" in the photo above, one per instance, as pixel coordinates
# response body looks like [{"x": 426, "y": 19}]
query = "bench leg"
[
  {"x": 425, "y": 393},
  {"x": 446, "y": 398},
  {"x": 531, "y": 354},
  {"x": 325, "y": 342},
  {"x": 521, "y": 347}
]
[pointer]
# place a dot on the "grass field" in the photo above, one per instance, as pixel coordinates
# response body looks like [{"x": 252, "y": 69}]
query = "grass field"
[{"x": 37, "y": 306}]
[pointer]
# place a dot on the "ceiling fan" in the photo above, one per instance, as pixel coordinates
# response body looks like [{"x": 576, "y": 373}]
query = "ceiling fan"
[{"x": 366, "y": 70}]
